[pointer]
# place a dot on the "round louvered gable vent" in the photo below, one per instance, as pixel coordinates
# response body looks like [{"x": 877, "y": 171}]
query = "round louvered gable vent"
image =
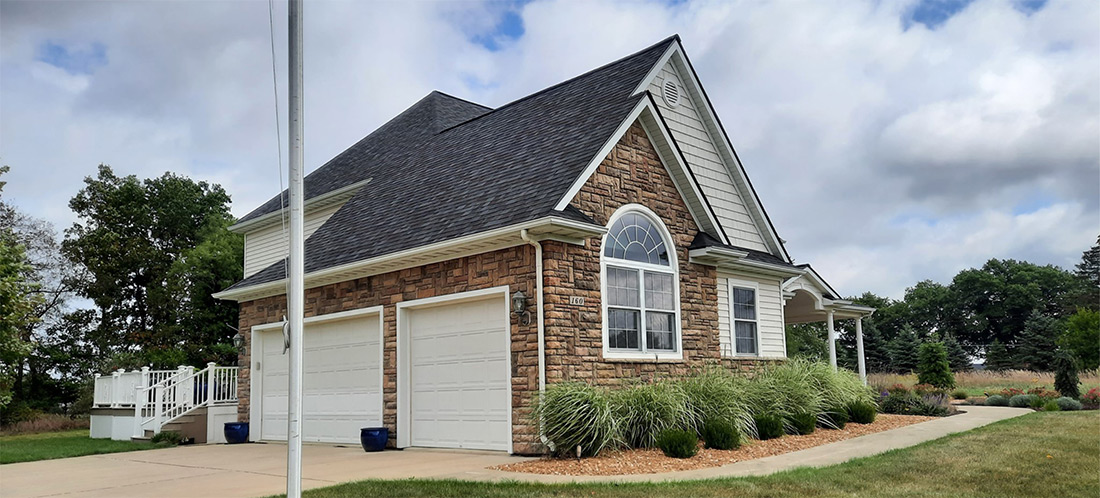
[{"x": 671, "y": 92}]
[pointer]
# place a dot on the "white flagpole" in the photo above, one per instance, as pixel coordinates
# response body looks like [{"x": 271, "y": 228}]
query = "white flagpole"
[{"x": 296, "y": 268}]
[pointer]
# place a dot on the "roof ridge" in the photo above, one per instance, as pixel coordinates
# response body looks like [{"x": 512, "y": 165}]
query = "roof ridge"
[{"x": 669, "y": 39}]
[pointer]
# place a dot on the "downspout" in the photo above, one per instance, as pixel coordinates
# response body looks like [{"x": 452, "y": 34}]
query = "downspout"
[
  {"x": 538, "y": 321},
  {"x": 538, "y": 307}
]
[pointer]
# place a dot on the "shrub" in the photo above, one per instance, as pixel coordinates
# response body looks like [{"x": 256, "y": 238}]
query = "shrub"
[
  {"x": 861, "y": 413},
  {"x": 996, "y": 400},
  {"x": 1022, "y": 400},
  {"x": 643, "y": 411},
  {"x": 834, "y": 418},
  {"x": 801, "y": 423},
  {"x": 899, "y": 403},
  {"x": 714, "y": 393},
  {"x": 933, "y": 367},
  {"x": 897, "y": 388},
  {"x": 932, "y": 405},
  {"x": 575, "y": 414},
  {"x": 1068, "y": 404},
  {"x": 47, "y": 422},
  {"x": 1044, "y": 393},
  {"x": 959, "y": 394},
  {"x": 1065, "y": 375},
  {"x": 768, "y": 426},
  {"x": 1037, "y": 403},
  {"x": 721, "y": 435},
  {"x": 678, "y": 443},
  {"x": 167, "y": 438},
  {"x": 1091, "y": 399},
  {"x": 1051, "y": 406},
  {"x": 1011, "y": 391}
]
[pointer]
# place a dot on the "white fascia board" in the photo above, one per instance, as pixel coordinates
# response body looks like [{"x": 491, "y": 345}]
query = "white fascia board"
[
  {"x": 323, "y": 199},
  {"x": 656, "y": 69},
  {"x": 717, "y": 253},
  {"x": 364, "y": 267},
  {"x": 816, "y": 279},
  {"x": 646, "y": 108},
  {"x": 710, "y": 117},
  {"x": 764, "y": 268}
]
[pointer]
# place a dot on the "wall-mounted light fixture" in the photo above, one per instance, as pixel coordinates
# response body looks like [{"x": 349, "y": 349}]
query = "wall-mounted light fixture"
[
  {"x": 238, "y": 342},
  {"x": 519, "y": 307}
]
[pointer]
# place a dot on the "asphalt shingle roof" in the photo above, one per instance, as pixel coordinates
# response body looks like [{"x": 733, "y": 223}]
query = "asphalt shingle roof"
[
  {"x": 445, "y": 167},
  {"x": 702, "y": 239}
]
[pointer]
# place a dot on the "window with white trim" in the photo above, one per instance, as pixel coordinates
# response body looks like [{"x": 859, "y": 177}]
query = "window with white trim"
[
  {"x": 743, "y": 312},
  {"x": 640, "y": 287}
]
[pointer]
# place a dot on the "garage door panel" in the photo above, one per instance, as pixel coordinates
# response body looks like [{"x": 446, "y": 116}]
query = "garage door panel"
[
  {"x": 341, "y": 381},
  {"x": 459, "y": 375}
]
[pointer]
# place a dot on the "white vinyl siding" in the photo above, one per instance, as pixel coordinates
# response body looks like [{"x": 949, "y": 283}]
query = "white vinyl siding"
[
  {"x": 714, "y": 179},
  {"x": 769, "y": 315},
  {"x": 268, "y": 245}
]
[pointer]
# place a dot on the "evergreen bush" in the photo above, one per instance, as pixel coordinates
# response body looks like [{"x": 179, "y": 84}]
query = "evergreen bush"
[
  {"x": 1065, "y": 375},
  {"x": 768, "y": 426},
  {"x": 720, "y": 435},
  {"x": 801, "y": 423},
  {"x": 835, "y": 418},
  {"x": 933, "y": 367},
  {"x": 678, "y": 443},
  {"x": 861, "y": 413}
]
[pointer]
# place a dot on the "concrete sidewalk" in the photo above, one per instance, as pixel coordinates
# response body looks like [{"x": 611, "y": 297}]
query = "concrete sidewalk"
[{"x": 249, "y": 470}]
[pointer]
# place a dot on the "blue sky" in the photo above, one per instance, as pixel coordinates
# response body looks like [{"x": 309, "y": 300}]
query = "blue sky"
[{"x": 890, "y": 141}]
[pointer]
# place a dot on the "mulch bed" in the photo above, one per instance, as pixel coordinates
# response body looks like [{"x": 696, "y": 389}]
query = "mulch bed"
[{"x": 652, "y": 461}]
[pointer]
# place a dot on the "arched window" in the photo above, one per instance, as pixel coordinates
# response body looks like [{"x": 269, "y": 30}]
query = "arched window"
[{"x": 640, "y": 286}]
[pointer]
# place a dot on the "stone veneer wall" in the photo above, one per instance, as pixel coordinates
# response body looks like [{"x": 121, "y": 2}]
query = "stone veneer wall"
[
  {"x": 513, "y": 267},
  {"x": 631, "y": 174}
]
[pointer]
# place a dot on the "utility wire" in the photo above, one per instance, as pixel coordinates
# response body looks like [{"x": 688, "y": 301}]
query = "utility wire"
[{"x": 283, "y": 207}]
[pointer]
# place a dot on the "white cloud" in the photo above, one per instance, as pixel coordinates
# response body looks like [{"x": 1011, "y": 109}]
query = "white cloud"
[{"x": 847, "y": 122}]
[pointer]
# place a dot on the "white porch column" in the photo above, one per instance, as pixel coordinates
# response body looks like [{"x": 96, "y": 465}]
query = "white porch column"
[
  {"x": 859, "y": 351},
  {"x": 832, "y": 340}
]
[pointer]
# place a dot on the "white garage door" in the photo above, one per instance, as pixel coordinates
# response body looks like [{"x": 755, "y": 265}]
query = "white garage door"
[
  {"x": 459, "y": 375},
  {"x": 341, "y": 383}
]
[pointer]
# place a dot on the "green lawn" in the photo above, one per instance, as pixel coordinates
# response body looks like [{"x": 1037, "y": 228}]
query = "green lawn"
[
  {"x": 1039, "y": 454},
  {"x": 64, "y": 444}
]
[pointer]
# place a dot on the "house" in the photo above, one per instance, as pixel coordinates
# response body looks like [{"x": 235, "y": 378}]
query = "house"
[{"x": 460, "y": 258}]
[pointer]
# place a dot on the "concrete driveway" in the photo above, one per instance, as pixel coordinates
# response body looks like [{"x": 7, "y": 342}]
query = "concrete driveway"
[{"x": 242, "y": 470}]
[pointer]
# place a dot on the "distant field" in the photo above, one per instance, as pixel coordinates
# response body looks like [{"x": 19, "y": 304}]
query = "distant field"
[{"x": 977, "y": 383}]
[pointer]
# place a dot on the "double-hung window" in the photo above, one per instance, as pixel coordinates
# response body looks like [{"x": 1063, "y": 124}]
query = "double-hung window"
[
  {"x": 743, "y": 313},
  {"x": 640, "y": 287}
]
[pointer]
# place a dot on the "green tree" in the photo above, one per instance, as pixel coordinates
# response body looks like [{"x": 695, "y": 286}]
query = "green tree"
[
  {"x": 1065, "y": 375},
  {"x": 956, "y": 355},
  {"x": 995, "y": 301},
  {"x": 1035, "y": 350},
  {"x": 17, "y": 302},
  {"x": 997, "y": 357},
  {"x": 904, "y": 351},
  {"x": 807, "y": 340},
  {"x": 1082, "y": 337},
  {"x": 933, "y": 367},
  {"x": 1088, "y": 271},
  {"x": 153, "y": 251}
]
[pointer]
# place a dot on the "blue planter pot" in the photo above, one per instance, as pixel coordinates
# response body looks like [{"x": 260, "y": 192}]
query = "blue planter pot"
[
  {"x": 374, "y": 438},
  {"x": 236, "y": 432}
]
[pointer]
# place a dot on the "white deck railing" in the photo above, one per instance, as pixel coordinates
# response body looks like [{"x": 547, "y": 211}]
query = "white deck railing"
[
  {"x": 176, "y": 395},
  {"x": 119, "y": 389}
]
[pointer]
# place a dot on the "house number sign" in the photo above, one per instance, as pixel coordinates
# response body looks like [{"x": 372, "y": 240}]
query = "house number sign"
[{"x": 576, "y": 300}]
